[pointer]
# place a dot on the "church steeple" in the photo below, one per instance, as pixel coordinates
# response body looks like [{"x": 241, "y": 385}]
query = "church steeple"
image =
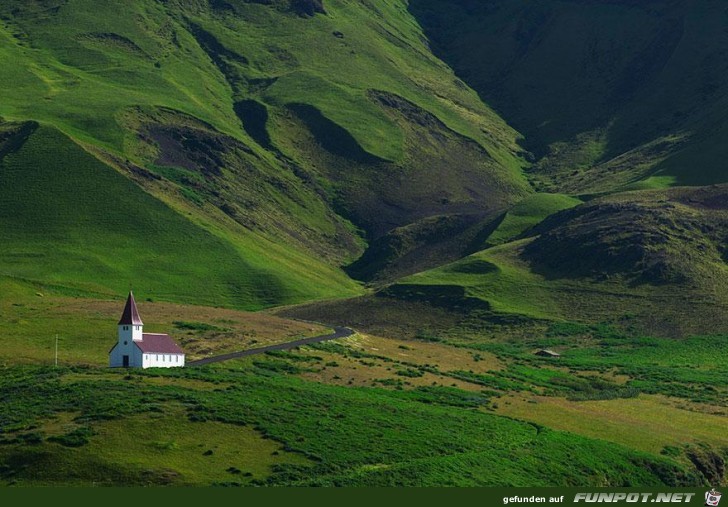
[
  {"x": 130, "y": 317},
  {"x": 130, "y": 325}
]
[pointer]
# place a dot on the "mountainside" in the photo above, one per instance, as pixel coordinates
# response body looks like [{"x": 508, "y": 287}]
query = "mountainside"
[
  {"x": 308, "y": 144},
  {"x": 307, "y": 128},
  {"x": 607, "y": 93},
  {"x": 70, "y": 220}
]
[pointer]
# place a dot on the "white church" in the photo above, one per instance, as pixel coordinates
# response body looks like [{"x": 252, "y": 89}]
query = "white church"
[{"x": 137, "y": 349}]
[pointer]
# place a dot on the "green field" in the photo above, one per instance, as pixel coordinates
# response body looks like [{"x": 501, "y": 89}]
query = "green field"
[
  {"x": 274, "y": 420},
  {"x": 341, "y": 436},
  {"x": 32, "y": 315},
  {"x": 161, "y": 445},
  {"x": 647, "y": 424}
]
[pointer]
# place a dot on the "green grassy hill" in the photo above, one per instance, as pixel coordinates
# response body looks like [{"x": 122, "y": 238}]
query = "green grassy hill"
[
  {"x": 528, "y": 213},
  {"x": 272, "y": 120},
  {"x": 311, "y": 137},
  {"x": 652, "y": 257},
  {"x": 70, "y": 220}
]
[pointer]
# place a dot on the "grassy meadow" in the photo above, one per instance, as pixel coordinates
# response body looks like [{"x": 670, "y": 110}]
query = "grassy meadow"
[
  {"x": 341, "y": 436},
  {"x": 161, "y": 442},
  {"x": 86, "y": 328},
  {"x": 648, "y": 423},
  {"x": 429, "y": 407}
]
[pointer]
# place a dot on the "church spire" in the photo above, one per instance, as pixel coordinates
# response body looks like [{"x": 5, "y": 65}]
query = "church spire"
[{"x": 130, "y": 317}]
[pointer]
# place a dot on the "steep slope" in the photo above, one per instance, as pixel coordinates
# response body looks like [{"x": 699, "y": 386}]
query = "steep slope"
[
  {"x": 444, "y": 191},
  {"x": 314, "y": 126},
  {"x": 67, "y": 219},
  {"x": 606, "y": 92}
]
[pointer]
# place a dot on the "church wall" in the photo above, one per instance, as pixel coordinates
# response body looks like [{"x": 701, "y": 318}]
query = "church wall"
[
  {"x": 116, "y": 357},
  {"x": 163, "y": 360}
]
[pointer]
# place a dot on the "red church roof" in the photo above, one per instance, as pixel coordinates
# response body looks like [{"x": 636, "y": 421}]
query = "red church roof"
[
  {"x": 130, "y": 317},
  {"x": 154, "y": 343}
]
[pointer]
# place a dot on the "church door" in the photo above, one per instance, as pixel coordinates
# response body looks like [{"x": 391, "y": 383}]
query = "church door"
[{"x": 125, "y": 361}]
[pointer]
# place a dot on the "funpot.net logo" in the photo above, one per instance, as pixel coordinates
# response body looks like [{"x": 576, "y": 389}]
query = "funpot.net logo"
[{"x": 634, "y": 498}]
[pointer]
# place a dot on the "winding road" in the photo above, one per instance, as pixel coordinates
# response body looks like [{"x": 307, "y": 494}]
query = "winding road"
[{"x": 339, "y": 332}]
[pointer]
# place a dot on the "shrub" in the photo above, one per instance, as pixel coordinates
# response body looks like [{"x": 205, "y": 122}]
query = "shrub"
[
  {"x": 196, "y": 326},
  {"x": 76, "y": 438},
  {"x": 427, "y": 336},
  {"x": 409, "y": 372},
  {"x": 607, "y": 394}
]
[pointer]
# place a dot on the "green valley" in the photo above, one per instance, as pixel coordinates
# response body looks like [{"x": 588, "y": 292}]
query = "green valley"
[{"x": 518, "y": 207}]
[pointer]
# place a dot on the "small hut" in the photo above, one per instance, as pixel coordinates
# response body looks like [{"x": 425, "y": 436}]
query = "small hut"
[{"x": 547, "y": 353}]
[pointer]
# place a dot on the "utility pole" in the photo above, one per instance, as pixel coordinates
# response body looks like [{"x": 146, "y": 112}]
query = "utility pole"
[{"x": 56, "y": 350}]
